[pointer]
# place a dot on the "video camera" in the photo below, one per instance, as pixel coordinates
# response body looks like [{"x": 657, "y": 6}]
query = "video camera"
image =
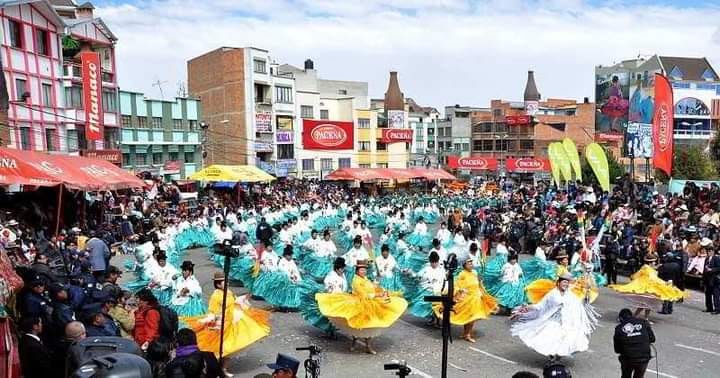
[{"x": 313, "y": 349}]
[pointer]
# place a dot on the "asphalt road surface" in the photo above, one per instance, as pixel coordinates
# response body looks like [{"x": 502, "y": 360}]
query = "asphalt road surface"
[{"x": 688, "y": 343}]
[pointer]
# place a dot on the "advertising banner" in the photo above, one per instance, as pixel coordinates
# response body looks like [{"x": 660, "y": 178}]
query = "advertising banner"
[
  {"x": 473, "y": 163},
  {"x": 663, "y": 125},
  {"x": 327, "y": 135},
  {"x": 572, "y": 154},
  {"x": 284, "y": 136},
  {"x": 597, "y": 160},
  {"x": 530, "y": 164},
  {"x": 518, "y": 120},
  {"x": 611, "y": 100},
  {"x": 172, "y": 167},
  {"x": 554, "y": 163},
  {"x": 396, "y": 119},
  {"x": 563, "y": 162},
  {"x": 92, "y": 94},
  {"x": 112, "y": 156},
  {"x": 263, "y": 122},
  {"x": 263, "y": 147},
  {"x": 397, "y": 135},
  {"x": 638, "y": 140}
]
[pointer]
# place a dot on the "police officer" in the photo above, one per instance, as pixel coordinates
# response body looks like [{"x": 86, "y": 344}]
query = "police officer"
[
  {"x": 109, "y": 285},
  {"x": 632, "y": 341},
  {"x": 36, "y": 303}
]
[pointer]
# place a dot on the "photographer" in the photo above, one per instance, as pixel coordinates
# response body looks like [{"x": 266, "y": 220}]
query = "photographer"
[{"x": 632, "y": 341}]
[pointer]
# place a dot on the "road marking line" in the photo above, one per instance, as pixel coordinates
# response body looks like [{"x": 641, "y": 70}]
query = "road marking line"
[
  {"x": 457, "y": 367},
  {"x": 416, "y": 371},
  {"x": 661, "y": 374},
  {"x": 697, "y": 349},
  {"x": 493, "y": 356}
]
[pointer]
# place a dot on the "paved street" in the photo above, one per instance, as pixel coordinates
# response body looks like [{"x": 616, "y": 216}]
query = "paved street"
[{"x": 688, "y": 343}]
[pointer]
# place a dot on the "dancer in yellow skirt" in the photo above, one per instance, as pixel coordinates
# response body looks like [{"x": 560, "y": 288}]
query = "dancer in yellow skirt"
[
  {"x": 244, "y": 325},
  {"x": 472, "y": 302},
  {"x": 646, "y": 290},
  {"x": 583, "y": 287},
  {"x": 366, "y": 311}
]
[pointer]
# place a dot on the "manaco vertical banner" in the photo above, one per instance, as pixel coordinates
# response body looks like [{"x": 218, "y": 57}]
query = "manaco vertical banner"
[
  {"x": 563, "y": 161},
  {"x": 663, "y": 125},
  {"x": 572, "y": 154},
  {"x": 595, "y": 156},
  {"x": 92, "y": 95},
  {"x": 554, "y": 164}
]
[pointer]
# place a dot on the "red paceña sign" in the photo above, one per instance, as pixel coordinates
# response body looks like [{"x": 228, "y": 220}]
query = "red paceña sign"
[
  {"x": 327, "y": 135},
  {"x": 396, "y": 135},
  {"x": 517, "y": 120},
  {"x": 92, "y": 95},
  {"x": 527, "y": 165},
  {"x": 473, "y": 162}
]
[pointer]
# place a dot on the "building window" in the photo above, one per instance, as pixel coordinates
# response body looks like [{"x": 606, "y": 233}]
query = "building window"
[
  {"x": 342, "y": 91},
  {"x": 497, "y": 112},
  {"x": 72, "y": 140},
  {"x": 501, "y": 127},
  {"x": 527, "y": 144},
  {"x": 192, "y": 125},
  {"x": 142, "y": 122},
  {"x": 156, "y": 123},
  {"x": 125, "y": 121},
  {"x": 177, "y": 124},
  {"x": 364, "y": 165},
  {"x": 50, "y": 138},
  {"x": 157, "y": 158},
  {"x": 73, "y": 97},
  {"x": 308, "y": 164},
  {"x": 487, "y": 145},
  {"x": 431, "y": 144},
  {"x": 306, "y": 111},
  {"x": 47, "y": 94},
  {"x": 173, "y": 156},
  {"x": 259, "y": 66},
  {"x": 20, "y": 88},
  {"x": 109, "y": 101},
  {"x": 344, "y": 163},
  {"x": 16, "y": 34},
  {"x": 140, "y": 159},
  {"x": 363, "y": 123},
  {"x": 381, "y": 146},
  {"x": 324, "y": 114},
  {"x": 501, "y": 145},
  {"x": 448, "y": 131},
  {"x": 286, "y": 151},
  {"x": 126, "y": 160},
  {"x": 189, "y": 157},
  {"x": 326, "y": 164},
  {"x": 283, "y": 95},
  {"x": 364, "y": 146},
  {"x": 25, "y": 138},
  {"x": 42, "y": 42},
  {"x": 466, "y": 147},
  {"x": 111, "y": 137},
  {"x": 486, "y": 127},
  {"x": 382, "y": 165},
  {"x": 284, "y": 123}
]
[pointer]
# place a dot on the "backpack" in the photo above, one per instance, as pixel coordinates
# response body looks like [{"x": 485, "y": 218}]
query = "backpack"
[{"x": 168, "y": 323}]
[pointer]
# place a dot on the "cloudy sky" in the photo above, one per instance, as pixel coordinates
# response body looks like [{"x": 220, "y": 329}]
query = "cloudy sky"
[{"x": 446, "y": 51}]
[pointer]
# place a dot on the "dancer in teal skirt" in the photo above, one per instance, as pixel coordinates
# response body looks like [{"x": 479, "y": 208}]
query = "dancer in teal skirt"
[{"x": 187, "y": 297}]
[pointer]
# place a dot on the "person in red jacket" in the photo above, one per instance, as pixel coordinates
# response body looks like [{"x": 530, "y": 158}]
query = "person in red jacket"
[{"x": 147, "y": 319}]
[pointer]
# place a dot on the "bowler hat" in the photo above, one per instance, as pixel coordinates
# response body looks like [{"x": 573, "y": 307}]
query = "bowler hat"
[
  {"x": 218, "y": 276},
  {"x": 283, "y": 361}
]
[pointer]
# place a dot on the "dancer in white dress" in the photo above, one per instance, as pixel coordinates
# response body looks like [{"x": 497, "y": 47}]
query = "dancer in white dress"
[{"x": 559, "y": 325}]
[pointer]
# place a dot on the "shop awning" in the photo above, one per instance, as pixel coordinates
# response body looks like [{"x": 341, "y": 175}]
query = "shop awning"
[
  {"x": 232, "y": 173},
  {"x": 76, "y": 172},
  {"x": 370, "y": 174}
]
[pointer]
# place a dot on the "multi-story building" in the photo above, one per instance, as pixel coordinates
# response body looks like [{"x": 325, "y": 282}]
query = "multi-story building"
[
  {"x": 321, "y": 102},
  {"x": 31, "y": 56},
  {"x": 454, "y": 132},
  {"x": 422, "y": 120},
  {"x": 512, "y": 130},
  {"x": 159, "y": 136},
  {"x": 246, "y": 100}
]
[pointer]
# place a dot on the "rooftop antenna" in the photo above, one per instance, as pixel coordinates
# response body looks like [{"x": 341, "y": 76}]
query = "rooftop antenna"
[{"x": 159, "y": 84}]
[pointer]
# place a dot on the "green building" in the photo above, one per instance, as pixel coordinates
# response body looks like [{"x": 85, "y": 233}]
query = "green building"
[{"x": 160, "y": 136}]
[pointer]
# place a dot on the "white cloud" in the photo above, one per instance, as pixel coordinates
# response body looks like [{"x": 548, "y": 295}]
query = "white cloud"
[{"x": 446, "y": 51}]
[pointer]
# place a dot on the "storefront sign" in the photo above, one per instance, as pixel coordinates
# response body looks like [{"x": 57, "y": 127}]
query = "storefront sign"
[
  {"x": 327, "y": 135},
  {"x": 518, "y": 120},
  {"x": 608, "y": 137},
  {"x": 263, "y": 147},
  {"x": 263, "y": 122},
  {"x": 112, "y": 156},
  {"x": 287, "y": 164},
  {"x": 172, "y": 167},
  {"x": 284, "y": 136},
  {"x": 473, "y": 162},
  {"x": 92, "y": 95},
  {"x": 397, "y": 135},
  {"x": 527, "y": 165}
]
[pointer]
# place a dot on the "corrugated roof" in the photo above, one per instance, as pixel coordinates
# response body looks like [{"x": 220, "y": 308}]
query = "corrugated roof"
[
  {"x": 691, "y": 68},
  {"x": 62, "y": 3}
]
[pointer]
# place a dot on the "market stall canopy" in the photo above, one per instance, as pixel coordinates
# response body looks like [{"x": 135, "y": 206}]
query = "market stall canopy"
[
  {"x": 75, "y": 172},
  {"x": 232, "y": 173},
  {"x": 370, "y": 174}
]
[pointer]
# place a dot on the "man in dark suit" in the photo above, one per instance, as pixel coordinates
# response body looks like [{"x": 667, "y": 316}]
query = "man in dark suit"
[
  {"x": 710, "y": 280},
  {"x": 35, "y": 358}
]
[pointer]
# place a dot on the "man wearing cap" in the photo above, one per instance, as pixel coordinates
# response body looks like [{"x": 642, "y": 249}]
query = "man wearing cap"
[
  {"x": 632, "y": 341},
  {"x": 41, "y": 268},
  {"x": 35, "y": 303},
  {"x": 284, "y": 367}
]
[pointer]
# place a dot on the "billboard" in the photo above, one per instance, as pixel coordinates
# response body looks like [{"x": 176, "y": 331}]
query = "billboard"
[
  {"x": 327, "y": 135},
  {"x": 473, "y": 163},
  {"x": 638, "y": 140},
  {"x": 611, "y": 100},
  {"x": 92, "y": 94},
  {"x": 527, "y": 165},
  {"x": 397, "y": 135},
  {"x": 638, "y": 135},
  {"x": 263, "y": 122}
]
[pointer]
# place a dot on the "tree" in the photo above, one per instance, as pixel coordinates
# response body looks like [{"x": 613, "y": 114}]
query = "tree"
[
  {"x": 616, "y": 169},
  {"x": 690, "y": 163}
]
